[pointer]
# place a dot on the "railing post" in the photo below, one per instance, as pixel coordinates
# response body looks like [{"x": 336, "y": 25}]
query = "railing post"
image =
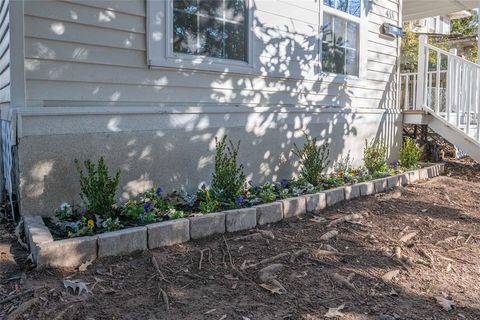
[
  {"x": 422, "y": 72},
  {"x": 450, "y": 85}
]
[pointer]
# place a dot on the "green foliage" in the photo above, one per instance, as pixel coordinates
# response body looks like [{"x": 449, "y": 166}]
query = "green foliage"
[
  {"x": 208, "y": 203},
  {"x": 410, "y": 154},
  {"x": 133, "y": 210},
  {"x": 313, "y": 159},
  {"x": 375, "y": 156},
  {"x": 65, "y": 212},
  {"x": 177, "y": 214},
  {"x": 112, "y": 224},
  {"x": 267, "y": 193},
  {"x": 98, "y": 188},
  {"x": 343, "y": 165},
  {"x": 228, "y": 179}
]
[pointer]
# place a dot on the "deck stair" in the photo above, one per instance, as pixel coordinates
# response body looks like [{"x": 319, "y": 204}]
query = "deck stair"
[{"x": 445, "y": 95}]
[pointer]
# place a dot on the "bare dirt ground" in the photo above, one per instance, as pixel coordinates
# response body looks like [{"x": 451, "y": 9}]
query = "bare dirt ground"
[{"x": 398, "y": 254}]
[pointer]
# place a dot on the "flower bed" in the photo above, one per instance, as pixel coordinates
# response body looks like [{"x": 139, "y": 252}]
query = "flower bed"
[{"x": 259, "y": 205}]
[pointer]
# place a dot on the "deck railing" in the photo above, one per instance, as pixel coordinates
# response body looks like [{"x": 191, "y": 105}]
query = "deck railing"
[
  {"x": 448, "y": 86},
  {"x": 408, "y": 83}
]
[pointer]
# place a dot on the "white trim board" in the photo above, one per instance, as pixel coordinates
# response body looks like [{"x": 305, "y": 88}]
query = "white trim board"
[{"x": 54, "y": 121}]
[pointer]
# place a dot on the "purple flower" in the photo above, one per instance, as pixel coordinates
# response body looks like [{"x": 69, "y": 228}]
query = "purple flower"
[
  {"x": 239, "y": 201},
  {"x": 146, "y": 207},
  {"x": 284, "y": 183},
  {"x": 159, "y": 191},
  {"x": 394, "y": 165}
]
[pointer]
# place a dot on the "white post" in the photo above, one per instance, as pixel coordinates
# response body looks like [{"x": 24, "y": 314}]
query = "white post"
[
  {"x": 478, "y": 35},
  {"x": 422, "y": 72}
]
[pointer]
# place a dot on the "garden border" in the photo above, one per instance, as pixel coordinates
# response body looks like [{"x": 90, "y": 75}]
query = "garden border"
[{"x": 73, "y": 252}]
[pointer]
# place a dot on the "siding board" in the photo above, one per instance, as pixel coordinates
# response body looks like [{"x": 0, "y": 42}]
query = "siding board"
[
  {"x": 4, "y": 52},
  {"x": 80, "y": 58}
]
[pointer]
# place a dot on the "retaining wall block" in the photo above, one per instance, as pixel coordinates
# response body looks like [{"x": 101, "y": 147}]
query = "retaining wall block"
[
  {"x": 316, "y": 202},
  {"x": 122, "y": 242},
  {"x": 392, "y": 182},
  {"x": 269, "y": 213},
  {"x": 168, "y": 233},
  {"x": 334, "y": 196},
  {"x": 294, "y": 207},
  {"x": 380, "y": 185},
  {"x": 352, "y": 192},
  {"x": 366, "y": 188},
  {"x": 36, "y": 233},
  {"x": 207, "y": 225},
  {"x": 403, "y": 179},
  {"x": 241, "y": 219},
  {"x": 68, "y": 253}
]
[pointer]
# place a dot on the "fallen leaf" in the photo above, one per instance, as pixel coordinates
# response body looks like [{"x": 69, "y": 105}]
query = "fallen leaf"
[
  {"x": 408, "y": 236},
  {"x": 342, "y": 280},
  {"x": 335, "y": 312},
  {"x": 77, "y": 284},
  {"x": 387, "y": 277},
  {"x": 273, "y": 289},
  {"x": 84, "y": 266},
  {"x": 329, "y": 235},
  {"x": 317, "y": 219},
  {"x": 447, "y": 305},
  {"x": 210, "y": 311}
]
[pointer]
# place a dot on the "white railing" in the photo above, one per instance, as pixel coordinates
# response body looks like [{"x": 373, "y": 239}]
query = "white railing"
[
  {"x": 459, "y": 79},
  {"x": 408, "y": 85}
]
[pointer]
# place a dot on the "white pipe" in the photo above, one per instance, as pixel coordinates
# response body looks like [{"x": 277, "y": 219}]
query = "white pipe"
[{"x": 478, "y": 35}]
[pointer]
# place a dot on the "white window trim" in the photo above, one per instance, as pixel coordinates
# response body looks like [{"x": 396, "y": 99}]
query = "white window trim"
[
  {"x": 362, "y": 45},
  {"x": 160, "y": 43}
]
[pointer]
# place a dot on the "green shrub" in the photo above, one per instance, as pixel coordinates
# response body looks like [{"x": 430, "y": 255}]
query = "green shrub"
[
  {"x": 98, "y": 188},
  {"x": 410, "y": 154},
  {"x": 313, "y": 160},
  {"x": 375, "y": 156},
  {"x": 228, "y": 179}
]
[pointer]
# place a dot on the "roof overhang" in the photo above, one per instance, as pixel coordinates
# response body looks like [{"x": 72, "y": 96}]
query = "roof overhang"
[{"x": 419, "y": 9}]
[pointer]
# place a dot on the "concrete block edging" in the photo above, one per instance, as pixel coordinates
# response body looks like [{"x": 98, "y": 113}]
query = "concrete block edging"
[{"x": 70, "y": 253}]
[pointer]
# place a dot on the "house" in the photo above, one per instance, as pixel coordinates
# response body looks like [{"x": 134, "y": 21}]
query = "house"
[
  {"x": 439, "y": 25},
  {"x": 148, "y": 84}
]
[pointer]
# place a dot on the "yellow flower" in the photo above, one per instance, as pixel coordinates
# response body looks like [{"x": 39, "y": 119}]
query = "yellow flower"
[{"x": 90, "y": 224}]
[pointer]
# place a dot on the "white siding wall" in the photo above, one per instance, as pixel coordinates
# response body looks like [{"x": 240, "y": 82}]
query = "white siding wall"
[
  {"x": 93, "y": 52},
  {"x": 4, "y": 52}
]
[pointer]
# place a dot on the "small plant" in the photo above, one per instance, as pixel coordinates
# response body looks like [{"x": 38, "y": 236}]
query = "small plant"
[
  {"x": 410, "y": 154},
  {"x": 112, "y": 224},
  {"x": 65, "y": 212},
  {"x": 208, "y": 203},
  {"x": 133, "y": 210},
  {"x": 343, "y": 165},
  {"x": 267, "y": 193},
  {"x": 98, "y": 188},
  {"x": 375, "y": 157},
  {"x": 228, "y": 179},
  {"x": 313, "y": 160}
]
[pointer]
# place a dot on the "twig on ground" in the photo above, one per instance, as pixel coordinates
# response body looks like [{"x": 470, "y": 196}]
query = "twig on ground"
[
  {"x": 164, "y": 297},
  {"x": 15, "y": 296},
  {"x": 201, "y": 257},
  {"x": 268, "y": 260}
]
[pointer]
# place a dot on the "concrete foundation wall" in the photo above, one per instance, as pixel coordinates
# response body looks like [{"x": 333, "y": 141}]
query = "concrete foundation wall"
[{"x": 174, "y": 150}]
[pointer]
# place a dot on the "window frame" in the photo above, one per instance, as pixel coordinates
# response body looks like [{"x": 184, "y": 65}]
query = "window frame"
[
  {"x": 362, "y": 40},
  {"x": 160, "y": 39}
]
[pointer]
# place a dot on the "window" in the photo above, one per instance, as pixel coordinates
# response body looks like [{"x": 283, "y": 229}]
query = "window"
[
  {"x": 340, "y": 36},
  {"x": 212, "y": 28}
]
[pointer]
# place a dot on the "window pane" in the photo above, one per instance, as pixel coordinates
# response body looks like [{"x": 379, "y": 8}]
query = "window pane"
[
  {"x": 235, "y": 10},
  {"x": 211, "y": 37},
  {"x": 354, "y": 7},
  {"x": 235, "y": 41},
  {"x": 339, "y": 45},
  {"x": 221, "y": 28},
  {"x": 349, "y": 6},
  {"x": 184, "y": 32},
  {"x": 189, "y": 6},
  {"x": 352, "y": 35},
  {"x": 352, "y": 62},
  {"x": 211, "y": 8}
]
